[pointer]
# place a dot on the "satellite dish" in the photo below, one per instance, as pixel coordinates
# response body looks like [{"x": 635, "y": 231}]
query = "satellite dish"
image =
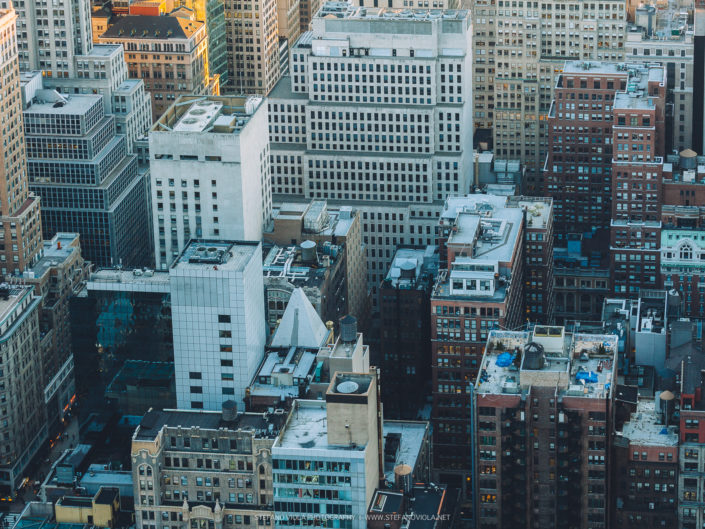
[{"x": 347, "y": 387}]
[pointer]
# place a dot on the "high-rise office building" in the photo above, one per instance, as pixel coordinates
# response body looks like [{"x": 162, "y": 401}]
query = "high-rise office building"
[
  {"x": 212, "y": 13},
  {"x": 397, "y": 117},
  {"x": 637, "y": 170},
  {"x": 579, "y": 177},
  {"x": 209, "y": 168},
  {"x": 519, "y": 49},
  {"x": 220, "y": 330},
  {"x": 51, "y": 37},
  {"x": 542, "y": 413},
  {"x": 88, "y": 182},
  {"x": 58, "y": 41},
  {"x": 663, "y": 36},
  {"x": 173, "y": 58},
  {"x": 252, "y": 45},
  {"x": 405, "y": 321},
  {"x": 21, "y": 231},
  {"x": 24, "y": 429}
]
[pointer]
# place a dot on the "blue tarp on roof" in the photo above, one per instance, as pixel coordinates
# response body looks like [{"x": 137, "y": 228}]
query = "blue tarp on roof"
[
  {"x": 587, "y": 376},
  {"x": 505, "y": 360}
]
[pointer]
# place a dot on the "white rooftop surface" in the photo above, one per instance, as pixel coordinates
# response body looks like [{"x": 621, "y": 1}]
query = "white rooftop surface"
[
  {"x": 468, "y": 225},
  {"x": 300, "y": 326},
  {"x": 308, "y": 429},
  {"x": 412, "y": 434},
  {"x": 345, "y": 10},
  {"x": 594, "y": 67},
  {"x": 17, "y": 293},
  {"x": 199, "y": 116},
  {"x": 455, "y": 205},
  {"x": 564, "y": 364},
  {"x": 537, "y": 212},
  {"x": 636, "y": 96},
  {"x": 643, "y": 427},
  {"x": 102, "y": 50},
  {"x": 114, "y": 279},
  {"x": 237, "y": 255},
  {"x": 72, "y": 104}
]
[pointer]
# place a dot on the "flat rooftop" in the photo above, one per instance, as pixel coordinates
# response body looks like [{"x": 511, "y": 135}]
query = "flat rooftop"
[
  {"x": 492, "y": 236},
  {"x": 411, "y": 442},
  {"x": 577, "y": 364},
  {"x": 154, "y": 420},
  {"x": 214, "y": 114},
  {"x": 408, "y": 266},
  {"x": 637, "y": 93},
  {"x": 56, "y": 251},
  {"x": 346, "y": 11},
  {"x": 221, "y": 255},
  {"x": 283, "y": 90},
  {"x": 15, "y": 296},
  {"x": 538, "y": 210},
  {"x": 281, "y": 372},
  {"x": 51, "y": 102},
  {"x": 102, "y": 50},
  {"x": 130, "y": 280},
  {"x": 594, "y": 67},
  {"x": 308, "y": 428},
  {"x": 289, "y": 263},
  {"x": 645, "y": 427}
]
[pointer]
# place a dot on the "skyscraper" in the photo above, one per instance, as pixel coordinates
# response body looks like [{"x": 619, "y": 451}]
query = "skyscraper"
[
  {"x": 90, "y": 185},
  {"x": 209, "y": 160},
  {"x": 252, "y": 45},
  {"x": 51, "y": 37},
  {"x": 217, "y": 307},
  {"x": 385, "y": 124},
  {"x": 519, "y": 49},
  {"x": 21, "y": 233}
]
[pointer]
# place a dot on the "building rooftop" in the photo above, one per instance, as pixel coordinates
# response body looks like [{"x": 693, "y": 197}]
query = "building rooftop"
[
  {"x": 410, "y": 435},
  {"x": 646, "y": 427},
  {"x": 577, "y": 364},
  {"x": 594, "y": 67},
  {"x": 146, "y": 27},
  {"x": 217, "y": 255},
  {"x": 12, "y": 298},
  {"x": 47, "y": 101},
  {"x": 102, "y": 50},
  {"x": 538, "y": 210},
  {"x": 347, "y": 11},
  {"x": 137, "y": 279},
  {"x": 413, "y": 268},
  {"x": 55, "y": 252},
  {"x": 308, "y": 428},
  {"x": 214, "y": 114},
  {"x": 294, "y": 265},
  {"x": 636, "y": 95},
  {"x": 154, "y": 420},
  {"x": 300, "y": 326},
  {"x": 281, "y": 372},
  {"x": 283, "y": 90},
  {"x": 489, "y": 235}
]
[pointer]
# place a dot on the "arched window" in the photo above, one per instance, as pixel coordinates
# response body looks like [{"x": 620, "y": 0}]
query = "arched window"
[{"x": 686, "y": 251}]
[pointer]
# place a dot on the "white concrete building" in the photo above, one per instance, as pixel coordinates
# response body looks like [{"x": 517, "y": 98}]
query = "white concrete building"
[
  {"x": 377, "y": 111},
  {"x": 219, "y": 326},
  {"x": 209, "y": 164}
]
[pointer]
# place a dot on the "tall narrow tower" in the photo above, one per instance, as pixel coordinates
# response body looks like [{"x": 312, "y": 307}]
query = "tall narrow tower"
[{"x": 20, "y": 226}]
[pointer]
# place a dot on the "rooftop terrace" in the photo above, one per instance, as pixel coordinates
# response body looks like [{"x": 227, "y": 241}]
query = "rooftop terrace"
[
  {"x": 580, "y": 365},
  {"x": 646, "y": 427}
]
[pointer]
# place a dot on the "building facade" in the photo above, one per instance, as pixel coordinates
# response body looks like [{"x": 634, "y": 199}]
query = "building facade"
[
  {"x": 24, "y": 428},
  {"x": 217, "y": 307},
  {"x": 19, "y": 209},
  {"x": 252, "y": 37},
  {"x": 169, "y": 53},
  {"x": 398, "y": 118},
  {"x": 209, "y": 169},
  {"x": 88, "y": 182},
  {"x": 542, "y": 419},
  {"x": 405, "y": 341},
  {"x": 209, "y": 468}
]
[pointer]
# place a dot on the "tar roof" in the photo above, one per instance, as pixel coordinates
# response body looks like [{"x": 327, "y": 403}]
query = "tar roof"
[{"x": 151, "y": 27}]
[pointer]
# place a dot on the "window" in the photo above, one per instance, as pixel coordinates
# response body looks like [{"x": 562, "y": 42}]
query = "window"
[{"x": 223, "y": 318}]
